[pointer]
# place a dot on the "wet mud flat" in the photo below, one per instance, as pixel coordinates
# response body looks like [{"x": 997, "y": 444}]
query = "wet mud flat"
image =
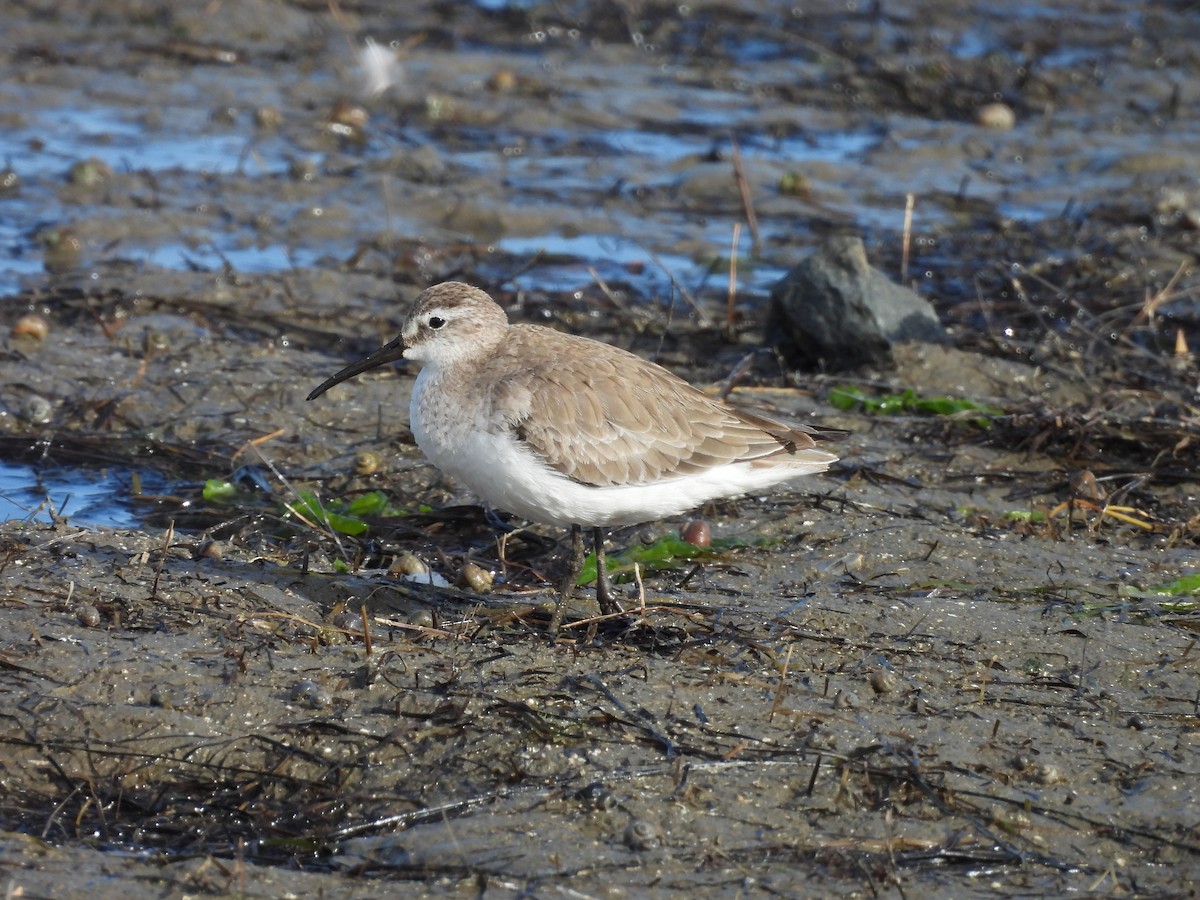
[{"x": 963, "y": 662}]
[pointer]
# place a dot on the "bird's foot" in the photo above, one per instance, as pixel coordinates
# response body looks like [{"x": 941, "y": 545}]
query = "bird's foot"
[
  {"x": 604, "y": 594},
  {"x": 567, "y": 591}
]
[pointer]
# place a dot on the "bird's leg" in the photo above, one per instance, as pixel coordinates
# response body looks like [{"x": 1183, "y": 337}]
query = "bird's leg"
[
  {"x": 604, "y": 596},
  {"x": 574, "y": 567}
]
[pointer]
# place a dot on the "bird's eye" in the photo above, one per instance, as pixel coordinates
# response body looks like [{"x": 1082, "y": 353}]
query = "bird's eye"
[{"x": 436, "y": 322}]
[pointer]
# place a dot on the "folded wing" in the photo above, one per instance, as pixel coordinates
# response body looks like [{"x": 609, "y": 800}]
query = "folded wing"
[{"x": 604, "y": 417}]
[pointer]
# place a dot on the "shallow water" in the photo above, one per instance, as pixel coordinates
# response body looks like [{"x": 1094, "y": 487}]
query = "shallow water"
[{"x": 83, "y": 496}]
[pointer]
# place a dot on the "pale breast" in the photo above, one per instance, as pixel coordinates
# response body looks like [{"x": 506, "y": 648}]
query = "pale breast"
[{"x": 442, "y": 418}]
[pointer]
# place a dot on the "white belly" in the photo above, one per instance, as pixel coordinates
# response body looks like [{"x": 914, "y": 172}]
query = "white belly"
[{"x": 510, "y": 476}]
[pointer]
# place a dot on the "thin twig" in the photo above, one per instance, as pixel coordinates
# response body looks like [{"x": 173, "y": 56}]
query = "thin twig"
[
  {"x": 739, "y": 174},
  {"x": 637, "y": 577},
  {"x": 167, "y": 538},
  {"x": 909, "y": 202},
  {"x": 255, "y": 442},
  {"x": 1158, "y": 298},
  {"x": 731, "y": 299},
  {"x": 366, "y": 632},
  {"x": 782, "y": 690},
  {"x": 607, "y": 291},
  {"x": 701, "y": 318}
]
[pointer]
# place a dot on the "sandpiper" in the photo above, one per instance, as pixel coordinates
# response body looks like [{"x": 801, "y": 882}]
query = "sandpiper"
[{"x": 567, "y": 431}]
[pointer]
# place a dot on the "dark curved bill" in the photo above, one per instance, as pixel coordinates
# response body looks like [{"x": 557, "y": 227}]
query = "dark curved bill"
[{"x": 389, "y": 352}]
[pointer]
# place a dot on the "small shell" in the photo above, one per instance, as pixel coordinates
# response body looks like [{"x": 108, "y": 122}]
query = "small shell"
[
  {"x": 31, "y": 325},
  {"x": 37, "y": 410},
  {"x": 642, "y": 834},
  {"x": 88, "y": 615},
  {"x": 422, "y": 618},
  {"x": 1048, "y": 773},
  {"x": 349, "y": 621},
  {"x": 310, "y": 694},
  {"x": 209, "y": 549},
  {"x": 408, "y": 564},
  {"x": 846, "y": 700},
  {"x": 883, "y": 681},
  {"x": 476, "y": 578},
  {"x": 596, "y": 796},
  {"x": 367, "y": 462}
]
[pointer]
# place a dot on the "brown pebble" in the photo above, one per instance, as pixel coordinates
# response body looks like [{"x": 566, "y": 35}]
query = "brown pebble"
[
  {"x": 697, "y": 533},
  {"x": 31, "y": 325},
  {"x": 87, "y": 615}
]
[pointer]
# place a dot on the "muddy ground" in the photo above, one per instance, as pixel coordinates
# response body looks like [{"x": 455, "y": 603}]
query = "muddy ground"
[{"x": 963, "y": 663}]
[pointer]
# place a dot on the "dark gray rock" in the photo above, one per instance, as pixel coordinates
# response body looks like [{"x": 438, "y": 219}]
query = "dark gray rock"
[{"x": 833, "y": 311}]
